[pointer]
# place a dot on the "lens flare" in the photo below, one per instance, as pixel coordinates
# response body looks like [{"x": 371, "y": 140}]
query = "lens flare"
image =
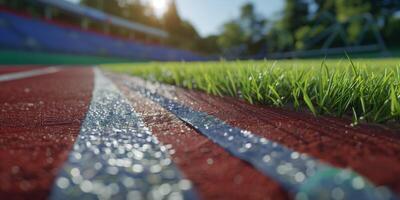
[{"x": 159, "y": 6}]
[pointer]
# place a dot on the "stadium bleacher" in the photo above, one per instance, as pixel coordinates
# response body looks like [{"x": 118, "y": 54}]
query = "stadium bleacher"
[{"x": 25, "y": 33}]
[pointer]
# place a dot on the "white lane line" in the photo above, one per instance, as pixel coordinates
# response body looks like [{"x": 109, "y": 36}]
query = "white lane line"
[
  {"x": 304, "y": 176},
  {"x": 27, "y": 74},
  {"x": 117, "y": 157}
]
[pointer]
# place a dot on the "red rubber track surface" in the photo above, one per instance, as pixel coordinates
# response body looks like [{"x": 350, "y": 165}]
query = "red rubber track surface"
[
  {"x": 7, "y": 70},
  {"x": 214, "y": 172},
  {"x": 40, "y": 119},
  {"x": 370, "y": 150}
]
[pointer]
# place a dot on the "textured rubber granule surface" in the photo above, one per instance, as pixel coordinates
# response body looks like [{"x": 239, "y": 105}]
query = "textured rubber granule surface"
[
  {"x": 214, "y": 173},
  {"x": 40, "y": 119},
  {"x": 370, "y": 150}
]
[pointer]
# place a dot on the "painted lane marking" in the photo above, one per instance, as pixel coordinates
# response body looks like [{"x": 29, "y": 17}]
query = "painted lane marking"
[
  {"x": 117, "y": 157},
  {"x": 300, "y": 174},
  {"x": 27, "y": 74}
]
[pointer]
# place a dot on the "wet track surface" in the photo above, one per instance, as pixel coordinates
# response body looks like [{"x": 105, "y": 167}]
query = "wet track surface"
[
  {"x": 117, "y": 157},
  {"x": 214, "y": 172},
  {"x": 371, "y": 151},
  {"x": 329, "y": 139},
  {"x": 40, "y": 119},
  {"x": 175, "y": 143}
]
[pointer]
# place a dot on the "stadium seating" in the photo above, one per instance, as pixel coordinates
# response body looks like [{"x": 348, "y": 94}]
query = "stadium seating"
[
  {"x": 8, "y": 37},
  {"x": 24, "y": 33}
]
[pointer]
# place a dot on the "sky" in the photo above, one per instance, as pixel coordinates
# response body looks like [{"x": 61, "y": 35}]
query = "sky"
[{"x": 208, "y": 15}]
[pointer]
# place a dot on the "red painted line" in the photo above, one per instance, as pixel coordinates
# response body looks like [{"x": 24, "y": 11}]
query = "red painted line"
[
  {"x": 40, "y": 118},
  {"x": 214, "y": 172},
  {"x": 372, "y": 151}
]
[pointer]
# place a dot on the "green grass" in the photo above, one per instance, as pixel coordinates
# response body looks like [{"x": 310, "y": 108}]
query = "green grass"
[{"x": 367, "y": 89}]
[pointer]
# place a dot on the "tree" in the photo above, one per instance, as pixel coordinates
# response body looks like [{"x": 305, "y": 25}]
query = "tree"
[
  {"x": 110, "y": 7},
  {"x": 279, "y": 38},
  {"x": 252, "y": 23},
  {"x": 232, "y": 37},
  {"x": 172, "y": 20},
  {"x": 182, "y": 34},
  {"x": 209, "y": 45},
  {"x": 245, "y": 33},
  {"x": 326, "y": 6},
  {"x": 133, "y": 10},
  {"x": 282, "y": 36},
  {"x": 349, "y": 8},
  {"x": 391, "y": 31},
  {"x": 295, "y": 15}
]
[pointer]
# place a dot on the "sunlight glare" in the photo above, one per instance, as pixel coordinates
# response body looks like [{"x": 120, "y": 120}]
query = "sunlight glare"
[{"x": 159, "y": 6}]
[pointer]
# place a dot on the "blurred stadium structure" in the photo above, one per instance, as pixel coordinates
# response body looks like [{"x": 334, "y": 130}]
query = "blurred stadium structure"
[
  {"x": 315, "y": 28},
  {"x": 336, "y": 30},
  {"x": 109, "y": 29},
  {"x": 20, "y": 31}
]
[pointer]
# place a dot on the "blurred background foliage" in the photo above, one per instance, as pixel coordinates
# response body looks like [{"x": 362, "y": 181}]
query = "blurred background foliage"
[{"x": 252, "y": 34}]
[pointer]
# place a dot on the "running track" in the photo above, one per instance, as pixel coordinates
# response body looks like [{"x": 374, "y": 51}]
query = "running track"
[
  {"x": 70, "y": 133},
  {"x": 40, "y": 119}
]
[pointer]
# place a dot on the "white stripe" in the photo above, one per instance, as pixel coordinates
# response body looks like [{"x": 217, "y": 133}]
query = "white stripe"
[
  {"x": 27, "y": 74},
  {"x": 117, "y": 157},
  {"x": 304, "y": 176}
]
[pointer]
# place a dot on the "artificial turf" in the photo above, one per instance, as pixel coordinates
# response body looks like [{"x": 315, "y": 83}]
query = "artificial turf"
[{"x": 367, "y": 89}]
